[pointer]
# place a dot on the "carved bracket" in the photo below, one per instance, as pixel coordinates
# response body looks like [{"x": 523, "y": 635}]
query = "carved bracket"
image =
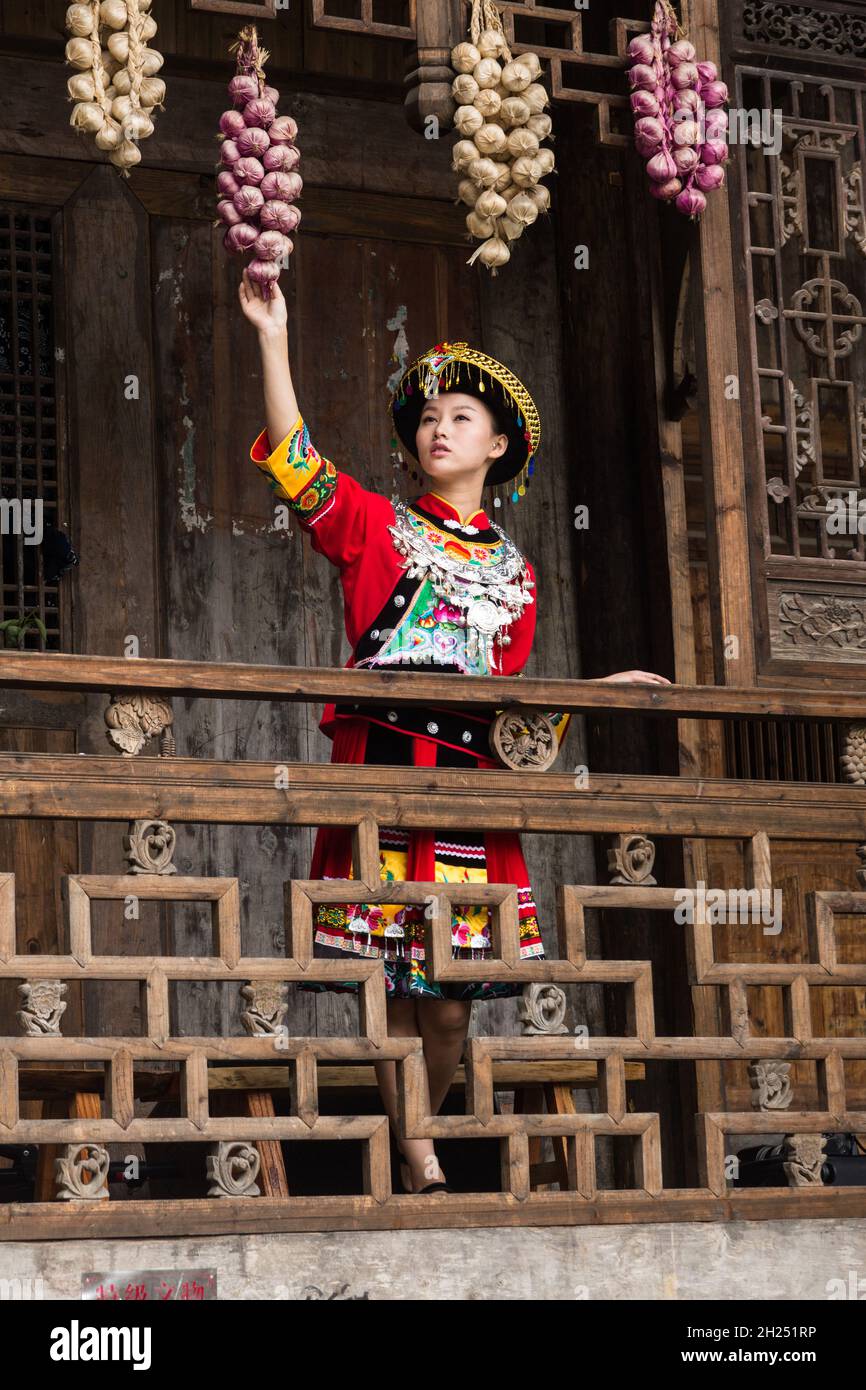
[
  {"x": 150, "y": 847},
  {"x": 232, "y": 1168},
  {"x": 524, "y": 738},
  {"x": 133, "y": 719},
  {"x": 542, "y": 1009}
]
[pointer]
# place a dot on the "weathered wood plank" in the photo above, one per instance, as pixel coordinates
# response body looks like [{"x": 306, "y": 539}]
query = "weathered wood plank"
[
  {"x": 82, "y": 1220},
  {"x": 346, "y": 141},
  {"x": 190, "y": 789}
]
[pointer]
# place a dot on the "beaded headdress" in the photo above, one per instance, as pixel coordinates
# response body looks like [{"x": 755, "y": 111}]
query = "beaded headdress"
[{"x": 458, "y": 367}]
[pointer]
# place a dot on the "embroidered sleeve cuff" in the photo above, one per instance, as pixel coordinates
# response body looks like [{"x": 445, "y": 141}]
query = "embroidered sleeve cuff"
[{"x": 295, "y": 470}]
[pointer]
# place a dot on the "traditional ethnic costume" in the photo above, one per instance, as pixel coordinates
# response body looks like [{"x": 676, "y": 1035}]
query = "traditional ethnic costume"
[{"x": 425, "y": 588}]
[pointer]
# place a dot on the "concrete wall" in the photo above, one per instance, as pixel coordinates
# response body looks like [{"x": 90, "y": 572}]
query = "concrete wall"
[{"x": 772, "y": 1260}]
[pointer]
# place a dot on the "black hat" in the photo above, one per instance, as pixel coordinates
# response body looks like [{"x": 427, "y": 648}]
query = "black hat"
[{"x": 457, "y": 367}]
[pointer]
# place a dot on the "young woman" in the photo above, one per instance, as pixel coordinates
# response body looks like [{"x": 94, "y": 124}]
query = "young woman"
[{"x": 432, "y": 584}]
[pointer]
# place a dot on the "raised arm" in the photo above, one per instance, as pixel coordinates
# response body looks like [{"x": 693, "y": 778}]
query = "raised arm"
[
  {"x": 269, "y": 317},
  {"x": 330, "y": 504}
]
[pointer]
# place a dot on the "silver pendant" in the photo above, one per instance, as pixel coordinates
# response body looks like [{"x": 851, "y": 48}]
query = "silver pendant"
[{"x": 484, "y": 615}]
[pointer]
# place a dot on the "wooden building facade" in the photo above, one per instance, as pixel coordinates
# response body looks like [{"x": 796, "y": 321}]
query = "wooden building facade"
[{"x": 702, "y": 392}]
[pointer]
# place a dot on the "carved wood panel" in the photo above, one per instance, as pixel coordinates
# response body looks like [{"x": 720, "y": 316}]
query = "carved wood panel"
[{"x": 797, "y": 187}]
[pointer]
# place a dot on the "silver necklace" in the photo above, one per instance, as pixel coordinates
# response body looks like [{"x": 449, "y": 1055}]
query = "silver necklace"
[{"x": 490, "y": 596}]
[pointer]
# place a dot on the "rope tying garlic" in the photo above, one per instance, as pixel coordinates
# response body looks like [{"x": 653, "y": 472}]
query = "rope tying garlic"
[
  {"x": 501, "y": 122},
  {"x": 115, "y": 89}
]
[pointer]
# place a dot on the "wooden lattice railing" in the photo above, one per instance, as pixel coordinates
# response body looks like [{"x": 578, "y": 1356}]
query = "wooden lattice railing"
[{"x": 366, "y": 797}]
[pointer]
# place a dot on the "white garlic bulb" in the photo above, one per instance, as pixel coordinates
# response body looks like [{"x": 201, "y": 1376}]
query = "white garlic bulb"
[
  {"x": 487, "y": 73},
  {"x": 81, "y": 87},
  {"x": 523, "y": 210},
  {"x": 533, "y": 62},
  {"x": 110, "y": 63},
  {"x": 541, "y": 126},
  {"x": 514, "y": 111},
  {"x": 467, "y": 192},
  {"x": 488, "y": 102},
  {"x": 462, "y": 155},
  {"x": 516, "y": 77},
  {"x": 494, "y": 253},
  {"x": 507, "y": 227},
  {"x": 465, "y": 89},
  {"x": 148, "y": 28},
  {"x": 79, "y": 53},
  {"x": 109, "y": 137},
  {"x": 491, "y": 204},
  {"x": 114, "y": 13},
  {"x": 490, "y": 140},
  {"x": 467, "y": 119},
  {"x": 540, "y": 196},
  {"x": 503, "y": 177},
  {"x": 479, "y": 226},
  {"x": 79, "y": 20},
  {"x": 123, "y": 81},
  {"x": 491, "y": 43},
  {"x": 547, "y": 161},
  {"x": 137, "y": 126},
  {"x": 536, "y": 98},
  {"x": 121, "y": 107},
  {"x": 521, "y": 141},
  {"x": 152, "y": 60},
  {"x": 152, "y": 91},
  {"x": 465, "y": 57},
  {"x": 526, "y": 171},
  {"x": 484, "y": 172},
  {"x": 126, "y": 155},
  {"x": 87, "y": 116},
  {"x": 118, "y": 46}
]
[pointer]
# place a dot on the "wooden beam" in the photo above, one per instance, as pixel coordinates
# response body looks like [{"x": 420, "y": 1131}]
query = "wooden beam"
[
  {"x": 718, "y": 366},
  {"x": 234, "y": 680},
  {"x": 192, "y": 1216},
  {"x": 188, "y": 789}
]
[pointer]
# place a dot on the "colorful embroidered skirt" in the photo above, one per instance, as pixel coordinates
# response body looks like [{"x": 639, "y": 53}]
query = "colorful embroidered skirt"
[{"x": 395, "y": 934}]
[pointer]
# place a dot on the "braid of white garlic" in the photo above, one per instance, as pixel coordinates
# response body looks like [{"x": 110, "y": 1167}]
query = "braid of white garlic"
[
  {"x": 115, "y": 88},
  {"x": 501, "y": 121}
]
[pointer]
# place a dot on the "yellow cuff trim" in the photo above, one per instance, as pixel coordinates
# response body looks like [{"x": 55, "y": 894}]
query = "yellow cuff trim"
[{"x": 293, "y": 463}]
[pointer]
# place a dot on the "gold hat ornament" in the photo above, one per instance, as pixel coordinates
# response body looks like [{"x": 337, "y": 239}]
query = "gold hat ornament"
[{"x": 458, "y": 367}]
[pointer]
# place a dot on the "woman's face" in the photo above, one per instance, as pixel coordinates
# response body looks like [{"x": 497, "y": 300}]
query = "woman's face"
[{"x": 457, "y": 436}]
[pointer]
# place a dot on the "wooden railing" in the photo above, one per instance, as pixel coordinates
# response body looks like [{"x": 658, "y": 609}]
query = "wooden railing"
[{"x": 243, "y": 1151}]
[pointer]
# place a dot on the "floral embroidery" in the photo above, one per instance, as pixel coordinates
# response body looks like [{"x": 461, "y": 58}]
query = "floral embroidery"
[{"x": 299, "y": 474}]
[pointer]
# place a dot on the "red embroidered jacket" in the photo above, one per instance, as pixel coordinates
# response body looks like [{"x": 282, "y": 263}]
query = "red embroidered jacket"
[{"x": 348, "y": 524}]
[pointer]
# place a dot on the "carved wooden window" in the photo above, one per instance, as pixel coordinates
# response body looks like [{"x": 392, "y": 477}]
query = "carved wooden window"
[
  {"x": 586, "y": 51},
  {"x": 28, "y": 416},
  {"x": 389, "y": 19},
  {"x": 803, "y": 235}
]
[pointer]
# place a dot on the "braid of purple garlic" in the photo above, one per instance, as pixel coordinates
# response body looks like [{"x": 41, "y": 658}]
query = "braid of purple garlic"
[
  {"x": 680, "y": 128},
  {"x": 258, "y": 183}
]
